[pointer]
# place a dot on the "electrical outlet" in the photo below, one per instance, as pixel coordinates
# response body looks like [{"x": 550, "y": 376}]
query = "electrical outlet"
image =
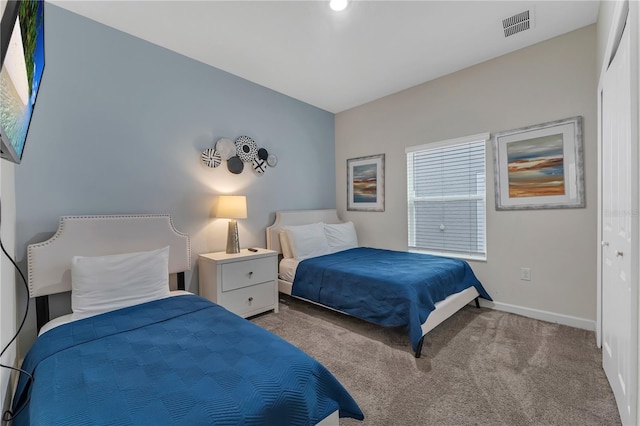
[{"x": 525, "y": 274}]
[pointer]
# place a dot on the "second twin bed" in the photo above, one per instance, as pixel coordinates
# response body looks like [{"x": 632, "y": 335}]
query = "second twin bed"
[{"x": 322, "y": 263}]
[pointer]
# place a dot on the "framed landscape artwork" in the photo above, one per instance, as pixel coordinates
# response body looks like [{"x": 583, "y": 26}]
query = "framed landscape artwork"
[
  {"x": 540, "y": 167},
  {"x": 365, "y": 183}
]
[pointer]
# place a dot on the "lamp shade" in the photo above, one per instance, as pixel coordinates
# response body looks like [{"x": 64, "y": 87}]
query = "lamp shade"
[{"x": 232, "y": 207}]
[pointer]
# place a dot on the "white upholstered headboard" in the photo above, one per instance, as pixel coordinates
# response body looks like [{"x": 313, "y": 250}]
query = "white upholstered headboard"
[
  {"x": 49, "y": 262},
  {"x": 297, "y": 217}
]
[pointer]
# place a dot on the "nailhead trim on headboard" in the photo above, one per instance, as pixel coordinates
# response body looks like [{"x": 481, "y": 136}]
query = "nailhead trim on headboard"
[{"x": 32, "y": 248}]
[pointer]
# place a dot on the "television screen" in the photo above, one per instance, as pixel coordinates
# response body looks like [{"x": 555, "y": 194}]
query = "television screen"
[{"x": 22, "y": 43}]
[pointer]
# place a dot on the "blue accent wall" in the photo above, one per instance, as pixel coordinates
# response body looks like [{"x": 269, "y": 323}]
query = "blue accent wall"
[{"x": 119, "y": 127}]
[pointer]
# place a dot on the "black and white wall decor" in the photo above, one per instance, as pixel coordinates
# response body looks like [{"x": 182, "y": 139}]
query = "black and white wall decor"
[
  {"x": 243, "y": 150},
  {"x": 211, "y": 157}
]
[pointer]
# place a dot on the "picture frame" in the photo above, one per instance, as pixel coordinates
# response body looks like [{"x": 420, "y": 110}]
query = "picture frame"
[
  {"x": 540, "y": 166},
  {"x": 365, "y": 183}
]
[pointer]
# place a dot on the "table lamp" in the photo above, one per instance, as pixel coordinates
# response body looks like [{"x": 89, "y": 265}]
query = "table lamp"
[{"x": 232, "y": 207}]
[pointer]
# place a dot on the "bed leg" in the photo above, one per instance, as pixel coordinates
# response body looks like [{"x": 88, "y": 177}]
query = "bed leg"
[
  {"x": 419, "y": 349},
  {"x": 42, "y": 311},
  {"x": 477, "y": 300},
  {"x": 181, "y": 281}
]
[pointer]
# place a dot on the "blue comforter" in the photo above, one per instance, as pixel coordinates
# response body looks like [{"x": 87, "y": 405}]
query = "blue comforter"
[
  {"x": 386, "y": 287},
  {"x": 181, "y": 360}
]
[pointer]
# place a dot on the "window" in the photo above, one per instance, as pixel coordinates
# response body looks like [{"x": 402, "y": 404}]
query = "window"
[{"x": 446, "y": 197}]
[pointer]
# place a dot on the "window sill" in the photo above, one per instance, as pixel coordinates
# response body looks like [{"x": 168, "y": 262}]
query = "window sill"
[{"x": 460, "y": 256}]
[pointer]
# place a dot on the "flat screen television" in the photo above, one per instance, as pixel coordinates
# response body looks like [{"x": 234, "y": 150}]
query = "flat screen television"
[{"x": 22, "y": 59}]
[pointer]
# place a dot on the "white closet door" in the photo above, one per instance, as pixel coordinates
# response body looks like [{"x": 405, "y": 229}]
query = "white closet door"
[{"x": 619, "y": 291}]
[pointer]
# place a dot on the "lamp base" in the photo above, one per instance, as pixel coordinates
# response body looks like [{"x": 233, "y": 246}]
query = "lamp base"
[{"x": 233, "y": 243}]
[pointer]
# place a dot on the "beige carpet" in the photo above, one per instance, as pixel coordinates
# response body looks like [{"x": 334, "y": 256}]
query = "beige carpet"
[{"x": 480, "y": 367}]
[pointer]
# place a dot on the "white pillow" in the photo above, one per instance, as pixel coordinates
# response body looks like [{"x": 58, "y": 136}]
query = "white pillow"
[
  {"x": 284, "y": 245},
  {"x": 307, "y": 240},
  {"x": 341, "y": 236},
  {"x": 105, "y": 283}
]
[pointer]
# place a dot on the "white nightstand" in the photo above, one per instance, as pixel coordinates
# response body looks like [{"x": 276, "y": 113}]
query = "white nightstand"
[{"x": 245, "y": 283}]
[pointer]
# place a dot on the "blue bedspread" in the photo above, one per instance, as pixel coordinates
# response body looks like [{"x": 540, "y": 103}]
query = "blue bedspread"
[
  {"x": 386, "y": 287},
  {"x": 181, "y": 360}
]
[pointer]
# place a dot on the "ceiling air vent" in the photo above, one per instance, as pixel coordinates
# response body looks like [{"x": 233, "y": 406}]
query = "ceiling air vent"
[{"x": 517, "y": 23}]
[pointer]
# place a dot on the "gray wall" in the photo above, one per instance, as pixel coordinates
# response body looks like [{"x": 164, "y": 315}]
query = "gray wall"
[
  {"x": 119, "y": 128},
  {"x": 549, "y": 81}
]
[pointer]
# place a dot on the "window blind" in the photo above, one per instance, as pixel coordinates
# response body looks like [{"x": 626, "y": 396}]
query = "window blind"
[{"x": 446, "y": 196}]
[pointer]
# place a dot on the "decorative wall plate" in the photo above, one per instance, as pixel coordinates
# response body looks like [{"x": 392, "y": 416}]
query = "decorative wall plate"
[
  {"x": 272, "y": 160},
  {"x": 259, "y": 166},
  {"x": 246, "y": 148},
  {"x": 235, "y": 165},
  {"x": 263, "y": 154},
  {"x": 226, "y": 148},
  {"x": 211, "y": 157}
]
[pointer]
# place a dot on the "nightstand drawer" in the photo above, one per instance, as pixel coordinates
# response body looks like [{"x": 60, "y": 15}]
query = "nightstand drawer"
[
  {"x": 249, "y": 299},
  {"x": 242, "y": 274}
]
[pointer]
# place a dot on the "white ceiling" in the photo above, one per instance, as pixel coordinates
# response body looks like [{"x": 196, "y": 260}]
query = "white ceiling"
[{"x": 337, "y": 60}]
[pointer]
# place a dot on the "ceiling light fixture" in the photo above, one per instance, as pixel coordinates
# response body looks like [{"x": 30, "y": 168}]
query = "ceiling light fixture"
[{"x": 338, "y": 5}]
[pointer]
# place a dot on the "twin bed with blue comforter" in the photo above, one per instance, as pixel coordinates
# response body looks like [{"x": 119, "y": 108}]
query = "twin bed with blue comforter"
[
  {"x": 124, "y": 357},
  {"x": 179, "y": 360},
  {"x": 386, "y": 287}
]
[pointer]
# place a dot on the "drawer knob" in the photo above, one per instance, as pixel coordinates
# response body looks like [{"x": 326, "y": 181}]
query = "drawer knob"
[
  {"x": 250, "y": 274},
  {"x": 250, "y": 300}
]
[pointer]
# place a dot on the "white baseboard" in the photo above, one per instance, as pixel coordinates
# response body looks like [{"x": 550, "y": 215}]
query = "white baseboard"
[{"x": 576, "y": 322}]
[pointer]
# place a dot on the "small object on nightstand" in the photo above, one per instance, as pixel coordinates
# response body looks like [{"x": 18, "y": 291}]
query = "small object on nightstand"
[{"x": 252, "y": 249}]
